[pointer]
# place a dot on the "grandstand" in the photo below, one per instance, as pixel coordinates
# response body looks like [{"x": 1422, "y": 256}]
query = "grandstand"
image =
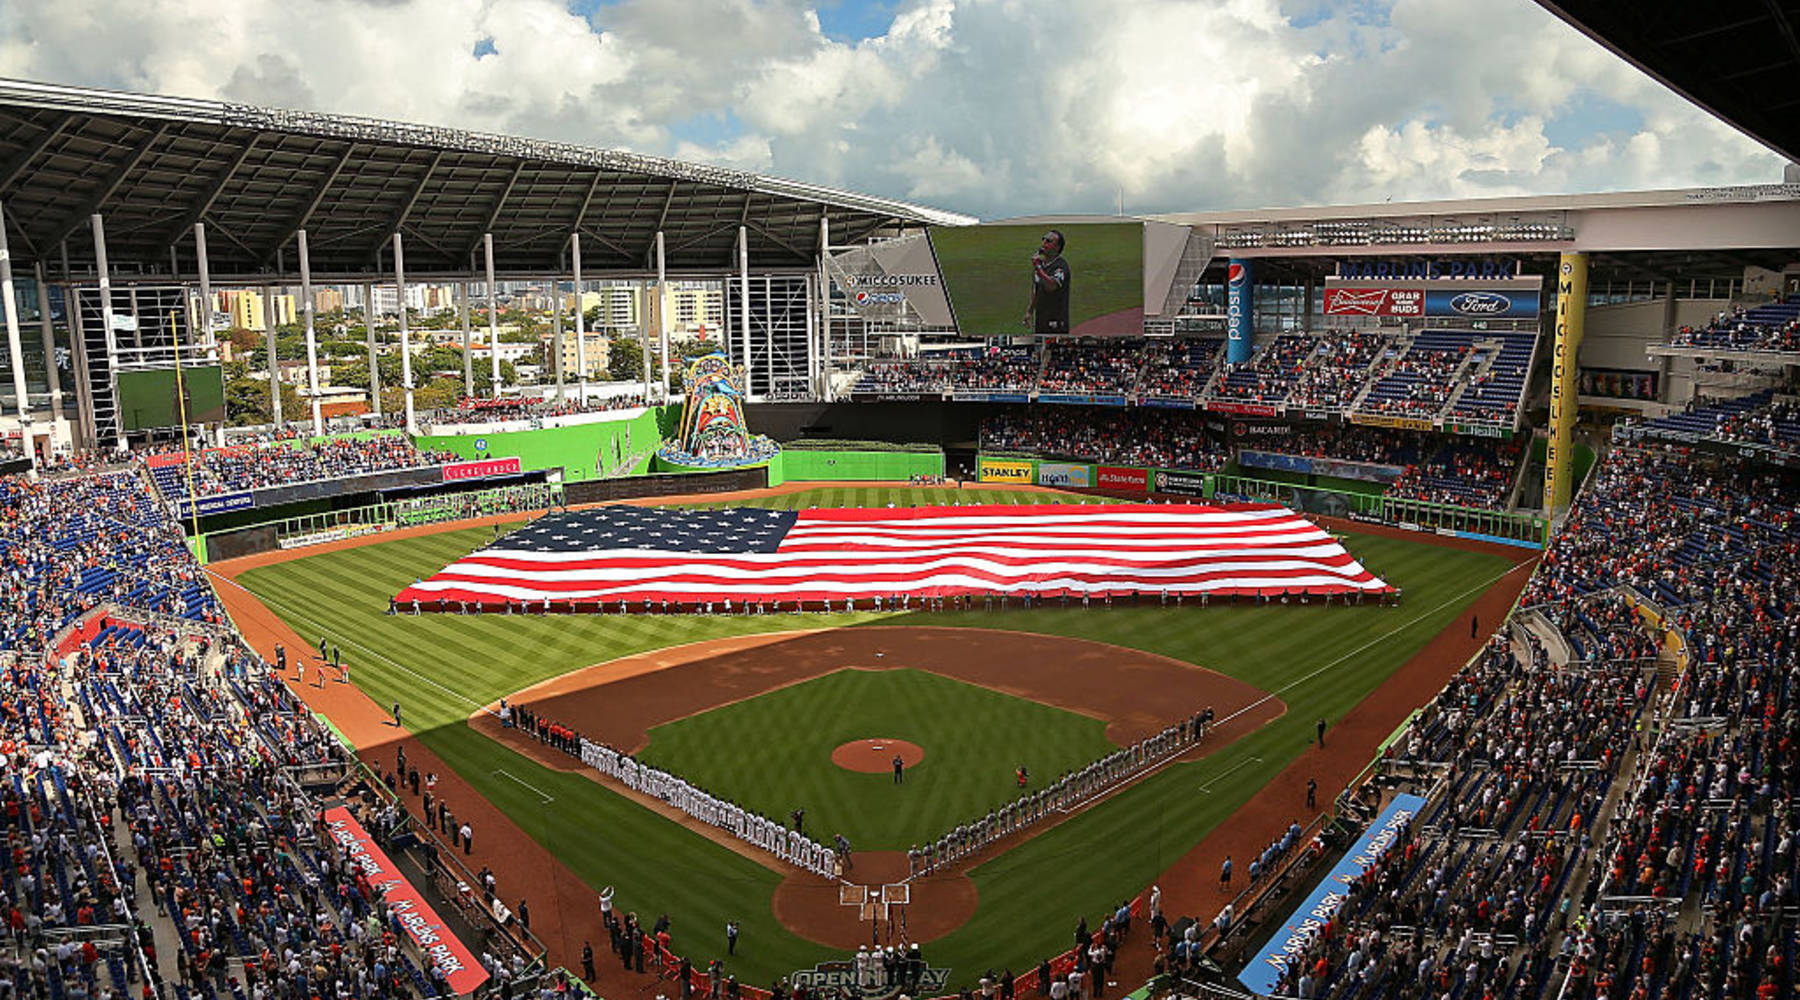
[{"x": 1597, "y": 802}]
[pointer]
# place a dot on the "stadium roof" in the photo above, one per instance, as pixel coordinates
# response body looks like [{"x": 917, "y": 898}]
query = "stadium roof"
[
  {"x": 1738, "y": 59},
  {"x": 153, "y": 166}
]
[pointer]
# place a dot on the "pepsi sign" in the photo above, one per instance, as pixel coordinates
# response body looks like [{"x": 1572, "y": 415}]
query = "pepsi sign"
[{"x": 1240, "y": 283}]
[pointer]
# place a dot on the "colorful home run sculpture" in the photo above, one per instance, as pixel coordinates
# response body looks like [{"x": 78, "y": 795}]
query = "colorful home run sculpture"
[{"x": 713, "y": 432}]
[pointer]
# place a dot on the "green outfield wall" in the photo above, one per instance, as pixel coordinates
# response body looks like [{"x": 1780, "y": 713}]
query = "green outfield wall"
[
  {"x": 582, "y": 451},
  {"x": 796, "y": 465}
]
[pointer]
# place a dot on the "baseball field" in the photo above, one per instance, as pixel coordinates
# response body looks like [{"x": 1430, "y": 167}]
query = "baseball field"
[{"x": 753, "y": 708}]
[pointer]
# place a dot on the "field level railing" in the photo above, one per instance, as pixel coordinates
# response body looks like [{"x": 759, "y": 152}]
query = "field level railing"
[{"x": 1480, "y": 522}]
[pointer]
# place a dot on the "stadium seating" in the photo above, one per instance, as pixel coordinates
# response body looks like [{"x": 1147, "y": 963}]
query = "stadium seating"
[
  {"x": 1176, "y": 440},
  {"x": 1771, "y": 327},
  {"x": 1529, "y": 874},
  {"x": 1464, "y": 377},
  {"x": 281, "y": 463}
]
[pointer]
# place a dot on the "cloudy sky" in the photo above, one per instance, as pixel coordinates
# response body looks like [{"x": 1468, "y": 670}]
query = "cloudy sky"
[{"x": 990, "y": 107}]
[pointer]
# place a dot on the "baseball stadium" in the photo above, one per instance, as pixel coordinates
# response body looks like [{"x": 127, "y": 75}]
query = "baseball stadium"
[{"x": 450, "y": 563}]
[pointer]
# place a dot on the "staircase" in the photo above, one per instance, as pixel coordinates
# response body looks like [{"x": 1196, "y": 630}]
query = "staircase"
[{"x": 1195, "y": 257}]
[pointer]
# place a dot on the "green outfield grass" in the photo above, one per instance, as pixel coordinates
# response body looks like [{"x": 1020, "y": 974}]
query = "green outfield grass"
[
  {"x": 1320, "y": 660},
  {"x": 973, "y": 738}
]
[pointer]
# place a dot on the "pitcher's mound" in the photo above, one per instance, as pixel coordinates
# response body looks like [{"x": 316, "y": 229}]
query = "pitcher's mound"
[{"x": 876, "y": 756}]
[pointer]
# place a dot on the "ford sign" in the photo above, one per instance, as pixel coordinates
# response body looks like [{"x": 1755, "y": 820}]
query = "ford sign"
[{"x": 1481, "y": 304}]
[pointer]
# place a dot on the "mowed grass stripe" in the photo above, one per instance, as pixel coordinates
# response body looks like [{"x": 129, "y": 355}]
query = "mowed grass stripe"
[{"x": 1085, "y": 864}]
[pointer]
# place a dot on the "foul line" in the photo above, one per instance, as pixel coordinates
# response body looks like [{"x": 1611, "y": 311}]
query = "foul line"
[
  {"x": 1377, "y": 640},
  {"x": 275, "y": 605},
  {"x": 503, "y": 772}
]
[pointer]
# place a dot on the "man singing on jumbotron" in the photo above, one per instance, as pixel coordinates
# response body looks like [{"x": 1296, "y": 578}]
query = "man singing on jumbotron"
[{"x": 1049, "y": 287}]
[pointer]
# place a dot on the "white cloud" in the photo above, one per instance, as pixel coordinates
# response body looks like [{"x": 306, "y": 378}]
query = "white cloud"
[{"x": 994, "y": 107}]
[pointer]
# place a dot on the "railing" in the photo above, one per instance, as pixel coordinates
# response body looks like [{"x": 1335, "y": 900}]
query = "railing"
[
  {"x": 309, "y": 529},
  {"x": 1422, "y": 514}
]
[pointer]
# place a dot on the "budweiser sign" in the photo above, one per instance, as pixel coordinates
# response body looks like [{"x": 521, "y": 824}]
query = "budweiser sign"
[{"x": 1374, "y": 302}]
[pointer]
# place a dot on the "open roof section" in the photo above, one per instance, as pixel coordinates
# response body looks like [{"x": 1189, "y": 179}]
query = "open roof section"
[
  {"x": 153, "y": 166},
  {"x": 1738, "y": 59}
]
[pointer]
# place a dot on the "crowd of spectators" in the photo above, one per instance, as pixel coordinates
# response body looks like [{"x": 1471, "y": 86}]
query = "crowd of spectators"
[
  {"x": 1771, "y": 327},
  {"x": 473, "y": 410},
  {"x": 1088, "y": 367},
  {"x": 1326, "y": 371},
  {"x": 1594, "y": 827},
  {"x": 1178, "y": 369},
  {"x": 1419, "y": 382},
  {"x": 1775, "y": 424},
  {"x": 282, "y": 463},
  {"x": 1163, "y": 439},
  {"x": 1467, "y": 472},
  {"x": 160, "y": 785},
  {"x": 1344, "y": 358}
]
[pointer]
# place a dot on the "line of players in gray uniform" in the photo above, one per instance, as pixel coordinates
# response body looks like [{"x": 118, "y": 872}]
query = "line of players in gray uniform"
[
  {"x": 756, "y": 830},
  {"x": 1061, "y": 795}
]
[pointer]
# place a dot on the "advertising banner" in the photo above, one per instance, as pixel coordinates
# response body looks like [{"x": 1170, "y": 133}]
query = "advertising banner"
[
  {"x": 421, "y": 922},
  {"x": 1080, "y": 400},
  {"x": 1266, "y": 969},
  {"x": 1115, "y": 477},
  {"x": 1245, "y": 409},
  {"x": 1441, "y": 303},
  {"x": 1512, "y": 303},
  {"x": 1185, "y": 484},
  {"x": 1401, "y": 423},
  {"x": 1240, "y": 305},
  {"x": 1374, "y": 302},
  {"x": 221, "y": 504},
  {"x": 1167, "y": 402},
  {"x": 1372, "y": 472},
  {"x": 1571, "y": 312},
  {"x": 457, "y": 471},
  {"x": 1064, "y": 474},
  {"x": 995, "y": 470}
]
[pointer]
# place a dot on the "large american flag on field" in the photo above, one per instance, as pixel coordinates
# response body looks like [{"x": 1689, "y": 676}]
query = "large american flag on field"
[{"x": 635, "y": 554}]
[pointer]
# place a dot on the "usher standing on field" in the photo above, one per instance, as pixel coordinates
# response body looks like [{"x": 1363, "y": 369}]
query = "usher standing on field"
[{"x": 1049, "y": 287}]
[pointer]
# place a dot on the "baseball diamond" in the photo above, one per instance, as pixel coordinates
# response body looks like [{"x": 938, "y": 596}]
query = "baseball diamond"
[{"x": 726, "y": 705}]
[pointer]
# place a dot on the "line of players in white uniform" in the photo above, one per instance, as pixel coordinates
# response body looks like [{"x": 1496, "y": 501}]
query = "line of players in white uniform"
[
  {"x": 756, "y": 830},
  {"x": 1060, "y": 795}
]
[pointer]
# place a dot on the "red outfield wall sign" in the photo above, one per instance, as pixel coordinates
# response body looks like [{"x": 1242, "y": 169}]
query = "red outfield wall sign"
[
  {"x": 481, "y": 470},
  {"x": 422, "y": 923},
  {"x": 1113, "y": 477}
]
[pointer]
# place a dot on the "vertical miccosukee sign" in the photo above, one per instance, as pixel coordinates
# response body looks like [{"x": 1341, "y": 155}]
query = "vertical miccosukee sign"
[{"x": 1571, "y": 311}]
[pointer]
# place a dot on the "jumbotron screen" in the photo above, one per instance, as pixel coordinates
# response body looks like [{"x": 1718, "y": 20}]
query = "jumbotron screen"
[
  {"x": 147, "y": 399},
  {"x": 987, "y": 271}
]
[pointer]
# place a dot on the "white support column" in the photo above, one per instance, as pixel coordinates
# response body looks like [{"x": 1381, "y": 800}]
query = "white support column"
[
  {"x": 15, "y": 349},
  {"x": 53, "y": 376},
  {"x": 106, "y": 325},
  {"x": 556, "y": 343},
  {"x": 812, "y": 336},
  {"x": 580, "y": 321},
  {"x": 468, "y": 359},
  {"x": 268, "y": 317},
  {"x": 824, "y": 310},
  {"x": 493, "y": 306},
  {"x": 662, "y": 310},
  {"x": 374, "y": 366},
  {"x": 312, "y": 342},
  {"x": 406, "y": 375},
  {"x": 744, "y": 303},
  {"x": 644, "y": 355},
  {"x": 206, "y": 299}
]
